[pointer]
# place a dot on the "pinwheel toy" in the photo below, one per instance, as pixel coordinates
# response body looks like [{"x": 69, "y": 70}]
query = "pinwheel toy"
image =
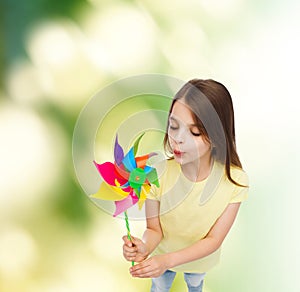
[{"x": 127, "y": 181}]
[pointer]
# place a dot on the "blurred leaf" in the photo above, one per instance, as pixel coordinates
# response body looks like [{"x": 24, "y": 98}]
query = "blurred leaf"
[
  {"x": 19, "y": 16},
  {"x": 73, "y": 206}
]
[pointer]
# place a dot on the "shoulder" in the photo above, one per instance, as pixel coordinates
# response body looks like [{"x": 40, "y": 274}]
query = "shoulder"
[
  {"x": 239, "y": 175},
  {"x": 168, "y": 171},
  {"x": 240, "y": 193},
  {"x": 235, "y": 192}
]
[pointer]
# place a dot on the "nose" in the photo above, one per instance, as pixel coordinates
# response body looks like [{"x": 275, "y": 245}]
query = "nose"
[{"x": 178, "y": 136}]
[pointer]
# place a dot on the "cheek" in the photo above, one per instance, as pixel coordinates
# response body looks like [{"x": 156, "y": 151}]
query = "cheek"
[
  {"x": 194, "y": 144},
  {"x": 202, "y": 146},
  {"x": 170, "y": 140}
]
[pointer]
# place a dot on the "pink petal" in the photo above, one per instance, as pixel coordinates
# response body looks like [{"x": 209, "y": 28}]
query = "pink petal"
[
  {"x": 109, "y": 173},
  {"x": 134, "y": 197},
  {"x": 123, "y": 205}
]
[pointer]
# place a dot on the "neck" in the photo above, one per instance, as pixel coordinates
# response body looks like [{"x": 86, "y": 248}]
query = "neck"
[{"x": 198, "y": 170}]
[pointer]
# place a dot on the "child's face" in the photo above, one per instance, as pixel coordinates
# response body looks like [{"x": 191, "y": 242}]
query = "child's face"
[{"x": 185, "y": 138}]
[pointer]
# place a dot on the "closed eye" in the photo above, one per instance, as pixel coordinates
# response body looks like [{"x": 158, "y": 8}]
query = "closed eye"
[
  {"x": 195, "y": 131},
  {"x": 196, "y": 134},
  {"x": 173, "y": 124}
]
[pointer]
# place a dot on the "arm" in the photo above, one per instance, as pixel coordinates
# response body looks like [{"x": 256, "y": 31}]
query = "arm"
[
  {"x": 138, "y": 250},
  {"x": 155, "y": 266},
  {"x": 153, "y": 234}
]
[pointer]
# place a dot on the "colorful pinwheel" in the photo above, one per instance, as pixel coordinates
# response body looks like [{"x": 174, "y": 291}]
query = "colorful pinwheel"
[{"x": 126, "y": 181}]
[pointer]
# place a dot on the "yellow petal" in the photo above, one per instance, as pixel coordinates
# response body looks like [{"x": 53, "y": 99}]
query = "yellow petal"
[
  {"x": 110, "y": 193},
  {"x": 143, "y": 195}
]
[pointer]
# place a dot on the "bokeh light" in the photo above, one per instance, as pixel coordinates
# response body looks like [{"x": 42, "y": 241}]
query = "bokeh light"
[{"x": 30, "y": 161}]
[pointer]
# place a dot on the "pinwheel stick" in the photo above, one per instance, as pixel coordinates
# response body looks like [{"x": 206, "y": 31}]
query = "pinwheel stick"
[{"x": 128, "y": 230}]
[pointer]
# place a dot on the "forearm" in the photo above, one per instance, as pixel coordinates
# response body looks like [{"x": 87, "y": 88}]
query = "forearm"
[
  {"x": 151, "y": 238},
  {"x": 210, "y": 243},
  {"x": 198, "y": 250},
  {"x": 153, "y": 234}
]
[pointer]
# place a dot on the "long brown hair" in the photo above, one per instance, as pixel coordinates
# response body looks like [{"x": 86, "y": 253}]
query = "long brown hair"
[{"x": 211, "y": 101}]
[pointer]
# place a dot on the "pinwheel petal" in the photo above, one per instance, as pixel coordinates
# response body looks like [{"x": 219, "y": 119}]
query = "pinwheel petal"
[
  {"x": 118, "y": 152},
  {"x": 141, "y": 161},
  {"x": 147, "y": 169},
  {"x": 125, "y": 187},
  {"x": 109, "y": 193},
  {"x": 107, "y": 171},
  {"x": 143, "y": 195},
  {"x": 123, "y": 205},
  {"x": 122, "y": 172},
  {"x": 152, "y": 177},
  {"x": 136, "y": 144},
  {"x": 152, "y": 154},
  {"x": 129, "y": 161},
  {"x": 134, "y": 197},
  {"x": 145, "y": 190}
]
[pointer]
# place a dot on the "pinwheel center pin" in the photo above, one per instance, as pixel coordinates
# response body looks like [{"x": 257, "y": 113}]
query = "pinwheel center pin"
[{"x": 137, "y": 178}]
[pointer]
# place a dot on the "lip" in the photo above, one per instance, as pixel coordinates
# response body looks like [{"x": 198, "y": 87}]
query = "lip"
[{"x": 177, "y": 152}]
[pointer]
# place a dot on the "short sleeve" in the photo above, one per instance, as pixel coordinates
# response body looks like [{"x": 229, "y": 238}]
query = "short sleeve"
[
  {"x": 240, "y": 194},
  {"x": 154, "y": 193}
]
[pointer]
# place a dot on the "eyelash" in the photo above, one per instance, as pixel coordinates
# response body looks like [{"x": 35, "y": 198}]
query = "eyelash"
[{"x": 194, "y": 134}]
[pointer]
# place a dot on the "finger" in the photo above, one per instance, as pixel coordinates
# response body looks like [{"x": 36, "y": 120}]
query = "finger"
[
  {"x": 129, "y": 249},
  {"x": 129, "y": 254},
  {"x": 130, "y": 259},
  {"x": 136, "y": 240},
  {"x": 139, "y": 267},
  {"x": 146, "y": 272},
  {"x": 144, "y": 275}
]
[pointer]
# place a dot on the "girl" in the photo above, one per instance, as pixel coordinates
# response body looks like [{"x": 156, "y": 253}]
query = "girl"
[{"x": 201, "y": 188}]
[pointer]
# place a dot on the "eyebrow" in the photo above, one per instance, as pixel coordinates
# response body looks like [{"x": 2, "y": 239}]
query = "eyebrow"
[{"x": 176, "y": 120}]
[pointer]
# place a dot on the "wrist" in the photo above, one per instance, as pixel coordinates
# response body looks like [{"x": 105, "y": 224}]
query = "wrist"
[
  {"x": 146, "y": 251},
  {"x": 169, "y": 260}
]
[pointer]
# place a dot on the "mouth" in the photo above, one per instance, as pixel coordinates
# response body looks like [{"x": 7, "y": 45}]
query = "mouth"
[{"x": 177, "y": 152}]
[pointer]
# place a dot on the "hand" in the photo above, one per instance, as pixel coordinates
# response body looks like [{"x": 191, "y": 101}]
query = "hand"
[
  {"x": 150, "y": 268},
  {"x": 134, "y": 250}
]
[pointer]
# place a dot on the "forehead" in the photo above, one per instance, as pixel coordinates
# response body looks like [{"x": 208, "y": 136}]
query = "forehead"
[{"x": 182, "y": 112}]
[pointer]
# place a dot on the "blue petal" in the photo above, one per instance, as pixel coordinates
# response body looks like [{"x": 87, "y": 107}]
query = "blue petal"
[
  {"x": 147, "y": 169},
  {"x": 129, "y": 161}
]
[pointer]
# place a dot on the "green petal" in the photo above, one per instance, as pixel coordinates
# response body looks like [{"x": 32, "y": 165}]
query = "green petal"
[
  {"x": 136, "y": 144},
  {"x": 153, "y": 178}
]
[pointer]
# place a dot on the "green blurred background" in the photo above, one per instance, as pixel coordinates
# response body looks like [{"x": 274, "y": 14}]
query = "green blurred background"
[{"x": 56, "y": 54}]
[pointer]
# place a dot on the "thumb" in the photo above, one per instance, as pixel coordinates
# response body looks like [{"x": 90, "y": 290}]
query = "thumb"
[
  {"x": 135, "y": 240},
  {"x": 127, "y": 241}
]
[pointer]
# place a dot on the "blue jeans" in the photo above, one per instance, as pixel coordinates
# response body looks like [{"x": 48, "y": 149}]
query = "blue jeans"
[{"x": 164, "y": 282}]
